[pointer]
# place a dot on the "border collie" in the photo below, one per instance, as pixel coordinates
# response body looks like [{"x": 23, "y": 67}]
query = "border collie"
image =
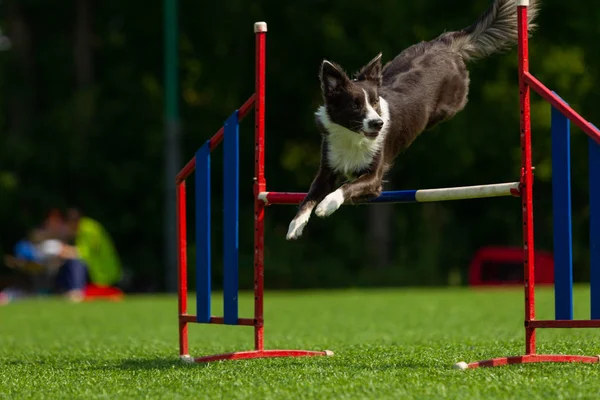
[{"x": 367, "y": 121}]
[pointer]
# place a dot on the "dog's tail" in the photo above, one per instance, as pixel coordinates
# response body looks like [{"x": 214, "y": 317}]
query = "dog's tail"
[{"x": 495, "y": 31}]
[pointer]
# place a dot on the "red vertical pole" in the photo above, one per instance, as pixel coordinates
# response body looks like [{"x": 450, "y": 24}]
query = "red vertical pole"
[
  {"x": 260, "y": 30},
  {"x": 526, "y": 177},
  {"x": 182, "y": 267}
]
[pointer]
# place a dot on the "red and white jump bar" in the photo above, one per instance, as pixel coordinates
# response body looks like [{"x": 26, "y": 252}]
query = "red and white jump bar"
[{"x": 413, "y": 196}]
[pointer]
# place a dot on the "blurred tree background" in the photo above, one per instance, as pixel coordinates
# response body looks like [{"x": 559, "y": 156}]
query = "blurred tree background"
[{"x": 81, "y": 123}]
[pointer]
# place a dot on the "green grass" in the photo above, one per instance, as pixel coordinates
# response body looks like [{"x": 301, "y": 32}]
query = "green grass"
[{"x": 392, "y": 344}]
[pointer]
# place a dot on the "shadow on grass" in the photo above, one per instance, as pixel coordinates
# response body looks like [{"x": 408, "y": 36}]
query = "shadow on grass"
[
  {"x": 358, "y": 366},
  {"x": 174, "y": 363},
  {"x": 107, "y": 365},
  {"x": 169, "y": 363},
  {"x": 154, "y": 363}
]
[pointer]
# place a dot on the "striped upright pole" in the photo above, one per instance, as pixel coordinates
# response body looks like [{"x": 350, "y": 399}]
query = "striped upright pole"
[{"x": 228, "y": 134}]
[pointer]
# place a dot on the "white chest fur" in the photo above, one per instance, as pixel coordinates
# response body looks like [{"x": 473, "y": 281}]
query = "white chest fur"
[{"x": 348, "y": 151}]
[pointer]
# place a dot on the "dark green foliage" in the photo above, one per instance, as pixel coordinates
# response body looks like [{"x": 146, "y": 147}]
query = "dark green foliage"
[{"x": 99, "y": 143}]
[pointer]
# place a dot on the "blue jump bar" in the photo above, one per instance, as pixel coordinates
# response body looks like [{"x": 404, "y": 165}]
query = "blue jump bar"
[
  {"x": 398, "y": 196},
  {"x": 561, "y": 209},
  {"x": 231, "y": 180},
  {"x": 594, "y": 179},
  {"x": 203, "y": 234},
  {"x": 413, "y": 196}
]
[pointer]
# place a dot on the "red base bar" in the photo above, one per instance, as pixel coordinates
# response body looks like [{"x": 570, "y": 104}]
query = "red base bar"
[
  {"x": 585, "y": 323},
  {"x": 537, "y": 358},
  {"x": 243, "y": 355}
]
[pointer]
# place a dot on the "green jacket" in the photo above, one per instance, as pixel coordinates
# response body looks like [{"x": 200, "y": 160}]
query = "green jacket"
[{"x": 97, "y": 250}]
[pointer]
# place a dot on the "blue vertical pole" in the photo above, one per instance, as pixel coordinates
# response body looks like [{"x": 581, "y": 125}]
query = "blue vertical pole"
[
  {"x": 594, "y": 178},
  {"x": 561, "y": 204},
  {"x": 203, "y": 234},
  {"x": 231, "y": 184}
]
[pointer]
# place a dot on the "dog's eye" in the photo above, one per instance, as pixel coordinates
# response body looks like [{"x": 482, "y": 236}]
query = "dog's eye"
[{"x": 355, "y": 105}]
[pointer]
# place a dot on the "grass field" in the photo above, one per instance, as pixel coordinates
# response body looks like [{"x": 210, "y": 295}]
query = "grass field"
[{"x": 392, "y": 344}]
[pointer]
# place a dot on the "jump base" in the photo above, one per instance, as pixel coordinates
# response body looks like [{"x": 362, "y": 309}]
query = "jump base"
[
  {"x": 533, "y": 358},
  {"x": 244, "y": 355}
]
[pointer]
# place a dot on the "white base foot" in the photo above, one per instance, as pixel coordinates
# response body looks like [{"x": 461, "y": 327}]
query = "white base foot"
[
  {"x": 186, "y": 358},
  {"x": 461, "y": 365}
]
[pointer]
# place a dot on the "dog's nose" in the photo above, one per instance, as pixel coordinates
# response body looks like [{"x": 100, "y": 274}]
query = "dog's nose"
[{"x": 376, "y": 124}]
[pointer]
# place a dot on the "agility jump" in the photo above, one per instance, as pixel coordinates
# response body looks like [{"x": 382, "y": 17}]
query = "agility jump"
[
  {"x": 562, "y": 115},
  {"x": 229, "y": 135}
]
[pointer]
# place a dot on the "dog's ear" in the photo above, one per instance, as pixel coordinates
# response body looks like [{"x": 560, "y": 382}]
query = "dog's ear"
[
  {"x": 333, "y": 78},
  {"x": 371, "y": 71}
]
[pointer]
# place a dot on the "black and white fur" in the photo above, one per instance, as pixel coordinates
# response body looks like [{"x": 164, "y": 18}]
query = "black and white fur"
[{"x": 367, "y": 121}]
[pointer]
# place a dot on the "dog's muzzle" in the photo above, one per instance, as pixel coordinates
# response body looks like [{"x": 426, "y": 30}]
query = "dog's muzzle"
[
  {"x": 373, "y": 127},
  {"x": 375, "y": 124}
]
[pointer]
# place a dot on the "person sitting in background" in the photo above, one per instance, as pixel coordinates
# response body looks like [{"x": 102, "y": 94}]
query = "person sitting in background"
[
  {"x": 77, "y": 251},
  {"x": 51, "y": 260},
  {"x": 95, "y": 246}
]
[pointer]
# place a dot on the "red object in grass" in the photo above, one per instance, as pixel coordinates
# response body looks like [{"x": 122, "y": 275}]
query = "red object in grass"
[
  {"x": 497, "y": 266},
  {"x": 97, "y": 292},
  {"x": 533, "y": 358}
]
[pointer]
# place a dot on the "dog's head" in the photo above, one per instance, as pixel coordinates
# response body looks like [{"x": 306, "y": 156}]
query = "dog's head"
[{"x": 353, "y": 103}]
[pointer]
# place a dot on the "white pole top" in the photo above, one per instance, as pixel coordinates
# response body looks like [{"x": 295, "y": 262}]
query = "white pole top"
[
  {"x": 523, "y": 3},
  {"x": 260, "y": 27}
]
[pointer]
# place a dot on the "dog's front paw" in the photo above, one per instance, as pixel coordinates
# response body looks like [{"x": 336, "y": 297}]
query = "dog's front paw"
[
  {"x": 297, "y": 226},
  {"x": 330, "y": 204}
]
